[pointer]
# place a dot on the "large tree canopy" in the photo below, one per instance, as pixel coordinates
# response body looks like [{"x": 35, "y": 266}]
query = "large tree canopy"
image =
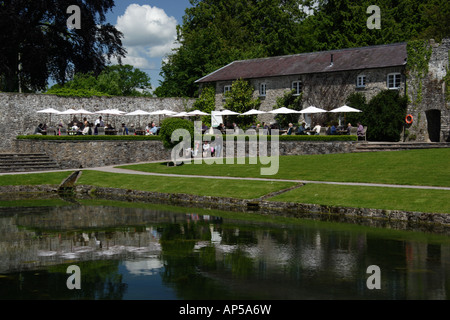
[
  {"x": 34, "y": 35},
  {"x": 217, "y": 32}
]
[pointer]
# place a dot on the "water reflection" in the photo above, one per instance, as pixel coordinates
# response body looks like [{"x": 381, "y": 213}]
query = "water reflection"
[{"x": 141, "y": 253}]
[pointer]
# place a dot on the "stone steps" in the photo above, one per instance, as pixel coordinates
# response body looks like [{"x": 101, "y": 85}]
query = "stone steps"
[
  {"x": 398, "y": 146},
  {"x": 21, "y": 162}
]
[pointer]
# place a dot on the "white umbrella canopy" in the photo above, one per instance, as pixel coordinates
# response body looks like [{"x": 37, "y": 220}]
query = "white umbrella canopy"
[
  {"x": 180, "y": 114},
  {"x": 68, "y": 111},
  {"x": 253, "y": 112},
  {"x": 226, "y": 112},
  {"x": 163, "y": 112},
  {"x": 197, "y": 113},
  {"x": 283, "y": 110},
  {"x": 313, "y": 109},
  {"x": 345, "y": 109},
  {"x": 138, "y": 113},
  {"x": 49, "y": 111}
]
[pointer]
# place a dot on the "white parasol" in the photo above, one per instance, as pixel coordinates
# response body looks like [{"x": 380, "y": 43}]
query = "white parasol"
[
  {"x": 253, "y": 112},
  {"x": 49, "y": 111},
  {"x": 138, "y": 113},
  {"x": 283, "y": 110}
]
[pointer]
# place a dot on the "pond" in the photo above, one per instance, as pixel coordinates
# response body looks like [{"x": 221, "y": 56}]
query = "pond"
[{"x": 127, "y": 251}]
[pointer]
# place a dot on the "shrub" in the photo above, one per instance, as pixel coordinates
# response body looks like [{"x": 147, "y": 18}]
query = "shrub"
[{"x": 169, "y": 125}]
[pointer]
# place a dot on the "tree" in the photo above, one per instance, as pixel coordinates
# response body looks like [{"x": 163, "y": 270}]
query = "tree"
[
  {"x": 217, "y": 32},
  {"x": 116, "y": 80},
  {"x": 36, "y": 39},
  {"x": 384, "y": 114},
  {"x": 240, "y": 99},
  {"x": 206, "y": 103}
]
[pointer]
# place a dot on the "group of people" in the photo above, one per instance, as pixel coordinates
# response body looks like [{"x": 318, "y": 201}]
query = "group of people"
[{"x": 332, "y": 129}]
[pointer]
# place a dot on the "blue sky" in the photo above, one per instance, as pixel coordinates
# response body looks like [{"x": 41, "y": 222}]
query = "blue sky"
[{"x": 149, "y": 29}]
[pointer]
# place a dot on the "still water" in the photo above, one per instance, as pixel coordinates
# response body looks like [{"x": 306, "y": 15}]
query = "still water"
[{"x": 168, "y": 253}]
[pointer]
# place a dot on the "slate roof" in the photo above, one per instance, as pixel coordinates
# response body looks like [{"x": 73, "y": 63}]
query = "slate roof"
[{"x": 381, "y": 56}]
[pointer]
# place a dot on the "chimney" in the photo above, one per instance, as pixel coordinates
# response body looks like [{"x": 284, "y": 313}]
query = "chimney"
[{"x": 332, "y": 60}]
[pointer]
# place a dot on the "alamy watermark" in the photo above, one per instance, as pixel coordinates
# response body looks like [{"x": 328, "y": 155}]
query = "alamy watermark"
[
  {"x": 374, "y": 21},
  {"x": 204, "y": 146},
  {"x": 74, "y": 281},
  {"x": 74, "y": 21}
]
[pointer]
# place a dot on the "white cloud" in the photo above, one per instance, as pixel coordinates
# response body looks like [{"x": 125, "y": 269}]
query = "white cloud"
[{"x": 148, "y": 33}]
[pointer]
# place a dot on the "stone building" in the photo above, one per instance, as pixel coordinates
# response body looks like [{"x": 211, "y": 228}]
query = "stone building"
[{"x": 327, "y": 78}]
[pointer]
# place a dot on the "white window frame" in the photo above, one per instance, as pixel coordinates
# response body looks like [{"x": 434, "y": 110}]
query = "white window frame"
[
  {"x": 396, "y": 84},
  {"x": 226, "y": 88},
  {"x": 361, "y": 81},
  {"x": 297, "y": 86},
  {"x": 262, "y": 89}
]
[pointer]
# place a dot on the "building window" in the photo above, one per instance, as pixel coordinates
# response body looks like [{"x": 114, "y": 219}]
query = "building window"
[
  {"x": 297, "y": 87},
  {"x": 226, "y": 89},
  {"x": 262, "y": 89},
  {"x": 394, "y": 80},
  {"x": 361, "y": 82}
]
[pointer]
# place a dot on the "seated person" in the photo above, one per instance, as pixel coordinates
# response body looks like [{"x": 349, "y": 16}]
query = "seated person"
[
  {"x": 333, "y": 130},
  {"x": 290, "y": 130},
  {"x": 316, "y": 129},
  {"x": 39, "y": 129},
  {"x": 301, "y": 129},
  {"x": 124, "y": 129},
  {"x": 349, "y": 128},
  {"x": 360, "y": 131}
]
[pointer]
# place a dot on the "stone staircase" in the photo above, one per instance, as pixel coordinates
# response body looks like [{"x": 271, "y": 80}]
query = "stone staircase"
[
  {"x": 22, "y": 162},
  {"x": 397, "y": 146}
]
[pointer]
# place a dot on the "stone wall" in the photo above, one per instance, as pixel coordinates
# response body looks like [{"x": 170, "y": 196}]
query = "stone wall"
[
  {"x": 89, "y": 154},
  {"x": 429, "y": 107},
  {"x": 18, "y": 112}
]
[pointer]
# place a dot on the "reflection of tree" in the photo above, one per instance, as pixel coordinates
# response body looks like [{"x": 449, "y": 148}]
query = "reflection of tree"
[{"x": 99, "y": 280}]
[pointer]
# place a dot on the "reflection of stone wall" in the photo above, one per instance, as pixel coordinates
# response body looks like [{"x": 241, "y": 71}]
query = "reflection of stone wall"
[{"x": 18, "y": 112}]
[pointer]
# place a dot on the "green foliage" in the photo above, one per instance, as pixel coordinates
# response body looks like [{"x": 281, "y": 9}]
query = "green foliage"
[
  {"x": 291, "y": 101},
  {"x": 206, "y": 103},
  {"x": 70, "y": 92},
  {"x": 217, "y": 32},
  {"x": 116, "y": 80},
  {"x": 419, "y": 54},
  {"x": 240, "y": 99},
  {"x": 385, "y": 115},
  {"x": 169, "y": 125},
  {"x": 35, "y": 35}
]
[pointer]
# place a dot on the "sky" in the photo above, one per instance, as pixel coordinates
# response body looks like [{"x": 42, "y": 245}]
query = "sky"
[{"x": 149, "y": 29}]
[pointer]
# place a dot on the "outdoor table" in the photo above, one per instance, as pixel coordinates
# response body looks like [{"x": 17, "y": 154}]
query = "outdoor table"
[
  {"x": 140, "y": 132},
  {"x": 111, "y": 132}
]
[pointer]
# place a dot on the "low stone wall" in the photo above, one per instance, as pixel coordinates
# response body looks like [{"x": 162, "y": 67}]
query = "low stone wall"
[{"x": 89, "y": 154}]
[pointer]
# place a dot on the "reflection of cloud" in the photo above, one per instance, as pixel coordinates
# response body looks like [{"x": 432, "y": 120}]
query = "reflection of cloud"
[
  {"x": 148, "y": 33},
  {"x": 144, "y": 267}
]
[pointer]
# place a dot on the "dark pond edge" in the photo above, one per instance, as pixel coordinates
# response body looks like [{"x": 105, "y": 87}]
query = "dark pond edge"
[{"x": 394, "y": 219}]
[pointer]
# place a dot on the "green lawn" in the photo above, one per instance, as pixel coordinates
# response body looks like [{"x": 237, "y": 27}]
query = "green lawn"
[
  {"x": 421, "y": 200},
  {"x": 33, "y": 179},
  {"x": 413, "y": 167},
  {"x": 196, "y": 186}
]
